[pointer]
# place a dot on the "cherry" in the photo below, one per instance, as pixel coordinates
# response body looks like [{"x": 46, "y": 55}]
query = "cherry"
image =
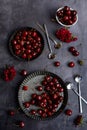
[
  {"x": 48, "y": 78},
  {"x": 65, "y": 18},
  {"x": 21, "y": 124},
  {"x": 70, "y": 22},
  {"x": 11, "y": 112},
  {"x": 26, "y": 104},
  {"x": 25, "y": 88},
  {"x": 55, "y": 80},
  {"x": 38, "y": 97},
  {"x": 17, "y": 46},
  {"x": 33, "y": 112},
  {"x": 66, "y": 8},
  {"x": 68, "y": 12},
  {"x": 44, "y": 82},
  {"x": 57, "y": 63},
  {"x": 71, "y": 49},
  {"x": 71, "y": 64},
  {"x": 75, "y": 53},
  {"x": 68, "y": 112},
  {"x": 17, "y": 52},
  {"x": 74, "y": 19},
  {"x": 34, "y": 95},
  {"x": 40, "y": 111},
  {"x": 24, "y": 72},
  {"x": 39, "y": 88},
  {"x": 59, "y": 14},
  {"x": 60, "y": 89},
  {"x": 43, "y": 115},
  {"x": 24, "y": 56},
  {"x": 32, "y": 101},
  {"x": 74, "y": 12}
]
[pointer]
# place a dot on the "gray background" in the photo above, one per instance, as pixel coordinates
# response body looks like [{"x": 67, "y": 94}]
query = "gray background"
[{"x": 19, "y": 13}]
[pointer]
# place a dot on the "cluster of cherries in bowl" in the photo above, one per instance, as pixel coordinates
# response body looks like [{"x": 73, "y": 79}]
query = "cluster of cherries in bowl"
[
  {"x": 49, "y": 99},
  {"x": 27, "y": 43},
  {"x": 66, "y": 16}
]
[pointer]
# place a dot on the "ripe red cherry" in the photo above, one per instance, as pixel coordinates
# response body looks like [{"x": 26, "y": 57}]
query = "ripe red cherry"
[
  {"x": 33, "y": 112},
  {"x": 74, "y": 12},
  {"x": 11, "y": 112},
  {"x": 60, "y": 89},
  {"x": 55, "y": 80},
  {"x": 38, "y": 97},
  {"x": 72, "y": 49},
  {"x": 65, "y": 18},
  {"x": 24, "y": 72},
  {"x": 48, "y": 78},
  {"x": 74, "y": 19},
  {"x": 25, "y": 88},
  {"x": 75, "y": 53},
  {"x": 59, "y": 14},
  {"x": 57, "y": 63},
  {"x": 68, "y": 112},
  {"x": 71, "y": 64},
  {"x": 21, "y": 124},
  {"x": 70, "y": 22},
  {"x": 26, "y": 104},
  {"x": 17, "y": 52},
  {"x": 24, "y": 56},
  {"x": 66, "y": 8},
  {"x": 17, "y": 46},
  {"x": 68, "y": 12},
  {"x": 39, "y": 88},
  {"x": 34, "y": 95},
  {"x": 40, "y": 111}
]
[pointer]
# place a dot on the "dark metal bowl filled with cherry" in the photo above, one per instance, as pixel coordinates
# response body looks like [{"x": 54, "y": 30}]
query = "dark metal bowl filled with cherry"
[{"x": 26, "y": 43}]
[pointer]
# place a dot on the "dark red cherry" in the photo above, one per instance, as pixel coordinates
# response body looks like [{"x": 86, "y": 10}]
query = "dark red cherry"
[
  {"x": 71, "y": 64},
  {"x": 21, "y": 124},
  {"x": 75, "y": 53},
  {"x": 24, "y": 72},
  {"x": 57, "y": 63},
  {"x": 68, "y": 112},
  {"x": 25, "y": 88},
  {"x": 71, "y": 49}
]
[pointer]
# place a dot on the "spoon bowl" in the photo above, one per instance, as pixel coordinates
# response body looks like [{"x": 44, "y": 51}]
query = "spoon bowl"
[
  {"x": 69, "y": 85},
  {"x": 78, "y": 78},
  {"x": 51, "y": 56}
]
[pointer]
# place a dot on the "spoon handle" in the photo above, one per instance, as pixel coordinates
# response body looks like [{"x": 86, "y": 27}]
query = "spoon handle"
[
  {"x": 49, "y": 45},
  {"x": 41, "y": 27},
  {"x": 80, "y": 102},
  {"x": 80, "y": 96}
]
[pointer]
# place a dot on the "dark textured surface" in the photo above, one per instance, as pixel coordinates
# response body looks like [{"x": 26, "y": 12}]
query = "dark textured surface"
[{"x": 19, "y": 13}]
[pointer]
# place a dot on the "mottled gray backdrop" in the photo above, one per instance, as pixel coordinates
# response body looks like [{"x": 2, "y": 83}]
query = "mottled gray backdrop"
[{"x": 19, "y": 13}]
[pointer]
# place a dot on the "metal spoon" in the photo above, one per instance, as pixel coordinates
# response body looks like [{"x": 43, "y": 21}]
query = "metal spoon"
[
  {"x": 57, "y": 45},
  {"x": 70, "y": 86},
  {"x": 78, "y": 79},
  {"x": 51, "y": 54}
]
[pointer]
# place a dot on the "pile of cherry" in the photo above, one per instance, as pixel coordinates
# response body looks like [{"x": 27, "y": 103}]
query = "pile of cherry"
[
  {"x": 67, "y": 16},
  {"x": 49, "y": 99},
  {"x": 27, "y": 44}
]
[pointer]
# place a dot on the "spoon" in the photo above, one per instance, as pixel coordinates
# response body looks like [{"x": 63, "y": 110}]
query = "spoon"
[
  {"x": 57, "y": 45},
  {"x": 71, "y": 86},
  {"x": 78, "y": 79},
  {"x": 51, "y": 54}
]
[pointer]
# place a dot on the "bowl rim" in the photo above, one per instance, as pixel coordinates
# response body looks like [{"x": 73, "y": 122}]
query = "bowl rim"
[{"x": 57, "y": 19}]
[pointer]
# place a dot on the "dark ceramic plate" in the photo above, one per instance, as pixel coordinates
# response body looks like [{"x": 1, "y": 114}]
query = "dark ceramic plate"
[
  {"x": 32, "y": 81},
  {"x": 21, "y": 30}
]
